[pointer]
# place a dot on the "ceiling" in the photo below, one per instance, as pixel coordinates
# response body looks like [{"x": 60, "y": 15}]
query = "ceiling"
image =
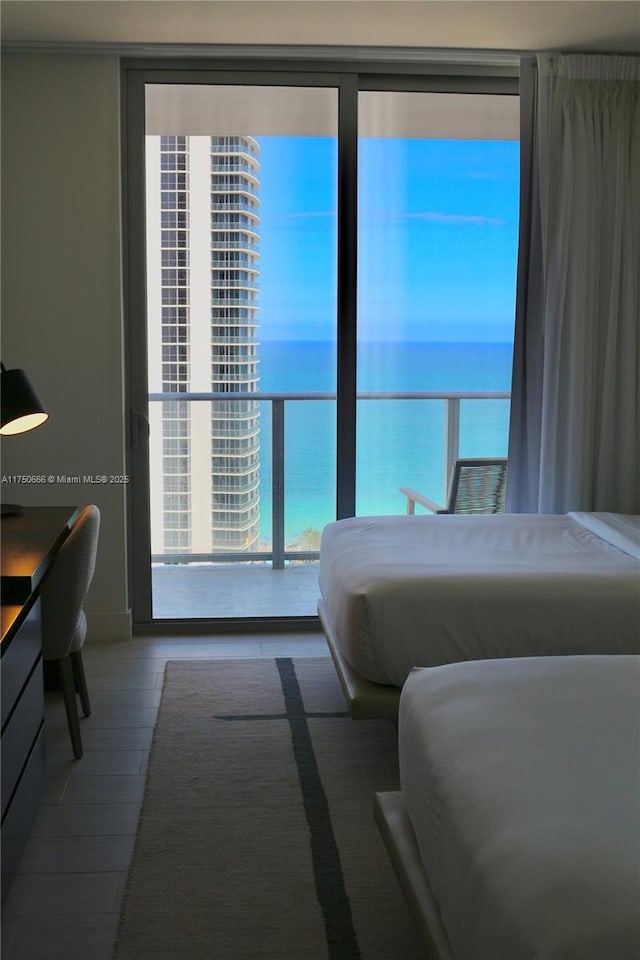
[{"x": 512, "y": 25}]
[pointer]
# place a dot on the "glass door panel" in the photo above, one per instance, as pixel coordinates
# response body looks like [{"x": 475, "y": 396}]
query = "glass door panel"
[
  {"x": 437, "y": 246},
  {"x": 241, "y": 223}
]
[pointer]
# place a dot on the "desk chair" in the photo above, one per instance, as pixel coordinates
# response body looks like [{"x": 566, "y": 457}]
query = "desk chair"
[
  {"x": 477, "y": 485},
  {"x": 64, "y": 624}
]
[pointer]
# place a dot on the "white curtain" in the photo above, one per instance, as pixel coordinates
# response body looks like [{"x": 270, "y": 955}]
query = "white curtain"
[{"x": 575, "y": 423}]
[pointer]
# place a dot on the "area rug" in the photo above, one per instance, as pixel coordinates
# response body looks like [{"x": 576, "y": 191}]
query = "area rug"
[{"x": 256, "y": 839}]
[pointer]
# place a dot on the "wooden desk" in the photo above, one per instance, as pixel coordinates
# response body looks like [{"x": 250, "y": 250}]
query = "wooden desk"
[{"x": 29, "y": 544}]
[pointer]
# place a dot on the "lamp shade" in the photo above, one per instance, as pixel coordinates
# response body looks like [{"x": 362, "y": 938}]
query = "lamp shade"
[{"x": 20, "y": 410}]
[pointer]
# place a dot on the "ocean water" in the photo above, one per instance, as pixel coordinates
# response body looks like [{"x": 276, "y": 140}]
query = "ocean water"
[{"x": 399, "y": 442}]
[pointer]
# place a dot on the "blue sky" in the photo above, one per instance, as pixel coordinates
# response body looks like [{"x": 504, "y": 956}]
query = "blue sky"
[{"x": 438, "y": 224}]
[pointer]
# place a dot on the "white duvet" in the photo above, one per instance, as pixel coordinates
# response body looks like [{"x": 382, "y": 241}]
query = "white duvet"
[
  {"x": 522, "y": 781},
  {"x": 399, "y": 592}
]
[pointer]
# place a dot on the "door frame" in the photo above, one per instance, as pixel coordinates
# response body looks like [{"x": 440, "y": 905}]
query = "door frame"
[{"x": 442, "y": 73}]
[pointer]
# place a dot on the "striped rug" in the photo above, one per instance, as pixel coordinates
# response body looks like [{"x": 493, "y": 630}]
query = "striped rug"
[{"x": 256, "y": 838}]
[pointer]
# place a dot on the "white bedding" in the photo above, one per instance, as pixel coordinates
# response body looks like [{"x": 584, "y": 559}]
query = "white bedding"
[
  {"x": 522, "y": 781},
  {"x": 399, "y": 592}
]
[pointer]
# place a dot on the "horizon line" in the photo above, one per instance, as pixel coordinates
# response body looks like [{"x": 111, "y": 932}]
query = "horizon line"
[{"x": 372, "y": 340}]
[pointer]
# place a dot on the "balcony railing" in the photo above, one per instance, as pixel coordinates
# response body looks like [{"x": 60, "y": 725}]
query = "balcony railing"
[
  {"x": 217, "y": 244},
  {"x": 222, "y": 145},
  {"x": 243, "y": 225},
  {"x": 250, "y": 283},
  {"x": 229, "y": 207},
  {"x": 224, "y": 339},
  {"x": 234, "y": 262},
  {"x": 279, "y": 554}
]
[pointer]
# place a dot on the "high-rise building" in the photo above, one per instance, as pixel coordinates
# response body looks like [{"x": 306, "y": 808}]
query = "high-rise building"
[
  {"x": 202, "y": 289},
  {"x": 235, "y": 466}
]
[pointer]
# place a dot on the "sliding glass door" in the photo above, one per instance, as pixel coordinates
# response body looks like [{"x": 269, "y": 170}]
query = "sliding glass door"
[
  {"x": 437, "y": 243},
  {"x": 241, "y": 215},
  {"x": 321, "y": 272}
]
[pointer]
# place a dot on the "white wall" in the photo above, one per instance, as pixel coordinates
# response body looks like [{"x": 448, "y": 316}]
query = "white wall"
[{"x": 62, "y": 295}]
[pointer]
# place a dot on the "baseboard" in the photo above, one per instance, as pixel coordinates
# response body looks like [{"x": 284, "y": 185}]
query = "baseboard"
[{"x": 108, "y": 626}]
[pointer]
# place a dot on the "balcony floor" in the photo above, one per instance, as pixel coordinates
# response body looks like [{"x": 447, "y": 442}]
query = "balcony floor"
[{"x": 186, "y": 591}]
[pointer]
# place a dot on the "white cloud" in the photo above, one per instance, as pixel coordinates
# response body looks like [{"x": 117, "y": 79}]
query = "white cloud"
[{"x": 435, "y": 216}]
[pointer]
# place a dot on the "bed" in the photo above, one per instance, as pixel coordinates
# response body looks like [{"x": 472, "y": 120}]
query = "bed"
[
  {"x": 516, "y": 832},
  {"x": 400, "y": 592}
]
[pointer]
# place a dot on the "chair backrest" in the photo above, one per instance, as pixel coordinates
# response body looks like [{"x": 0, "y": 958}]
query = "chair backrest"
[
  {"x": 65, "y": 585},
  {"x": 478, "y": 485}
]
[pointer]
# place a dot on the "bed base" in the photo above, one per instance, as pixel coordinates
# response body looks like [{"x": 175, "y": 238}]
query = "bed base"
[
  {"x": 366, "y": 700},
  {"x": 397, "y": 833}
]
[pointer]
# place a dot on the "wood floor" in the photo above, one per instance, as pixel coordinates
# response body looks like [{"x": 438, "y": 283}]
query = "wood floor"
[{"x": 65, "y": 899}]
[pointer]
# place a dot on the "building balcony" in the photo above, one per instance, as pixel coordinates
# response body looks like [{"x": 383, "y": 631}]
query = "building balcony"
[
  {"x": 248, "y": 146},
  {"x": 218, "y": 244},
  {"x": 228, "y": 483},
  {"x": 231, "y": 431},
  {"x": 243, "y": 370},
  {"x": 251, "y": 444},
  {"x": 247, "y": 284},
  {"x": 245, "y": 206},
  {"x": 244, "y": 188},
  {"x": 226, "y": 340},
  {"x": 223, "y": 469},
  {"x": 239, "y": 262},
  {"x": 244, "y": 296},
  {"x": 205, "y": 591},
  {"x": 225, "y": 370},
  {"x": 232, "y": 163},
  {"x": 248, "y": 227},
  {"x": 241, "y": 523},
  {"x": 278, "y": 576},
  {"x": 221, "y": 166}
]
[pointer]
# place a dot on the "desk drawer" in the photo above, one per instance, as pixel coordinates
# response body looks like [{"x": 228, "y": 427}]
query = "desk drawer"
[
  {"x": 18, "y": 660},
  {"x": 21, "y": 813},
  {"x": 20, "y": 733}
]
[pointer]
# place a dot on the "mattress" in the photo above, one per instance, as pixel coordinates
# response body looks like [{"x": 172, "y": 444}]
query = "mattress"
[
  {"x": 521, "y": 779},
  {"x": 401, "y": 592}
]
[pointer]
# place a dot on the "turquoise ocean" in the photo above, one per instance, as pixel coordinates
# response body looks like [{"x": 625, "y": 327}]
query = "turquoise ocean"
[{"x": 400, "y": 442}]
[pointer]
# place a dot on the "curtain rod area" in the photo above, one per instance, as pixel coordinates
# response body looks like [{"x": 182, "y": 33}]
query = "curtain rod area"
[{"x": 354, "y": 55}]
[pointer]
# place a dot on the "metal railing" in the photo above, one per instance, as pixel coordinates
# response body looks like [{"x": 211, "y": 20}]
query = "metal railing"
[
  {"x": 279, "y": 554},
  {"x": 217, "y": 244}
]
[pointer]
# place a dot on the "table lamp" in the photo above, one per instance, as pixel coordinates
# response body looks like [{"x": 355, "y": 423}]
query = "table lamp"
[{"x": 20, "y": 411}]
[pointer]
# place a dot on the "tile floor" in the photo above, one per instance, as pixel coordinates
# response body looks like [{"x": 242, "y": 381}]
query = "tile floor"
[{"x": 65, "y": 899}]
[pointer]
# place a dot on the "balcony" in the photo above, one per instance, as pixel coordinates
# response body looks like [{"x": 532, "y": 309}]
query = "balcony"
[
  {"x": 246, "y": 206},
  {"x": 243, "y": 186},
  {"x": 231, "y": 283},
  {"x": 226, "y": 145},
  {"x": 234, "y": 262},
  {"x": 228, "y": 296},
  {"x": 218, "y": 244},
  {"x": 279, "y": 579},
  {"x": 243, "y": 225},
  {"x": 224, "y": 339},
  {"x": 221, "y": 165}
]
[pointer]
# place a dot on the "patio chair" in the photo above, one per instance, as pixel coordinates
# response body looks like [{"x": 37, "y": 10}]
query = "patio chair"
[{"x": 477, "y": 485}]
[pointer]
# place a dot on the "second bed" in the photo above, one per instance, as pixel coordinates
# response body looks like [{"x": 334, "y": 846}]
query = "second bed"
[
  {"x": 516, "y": 834},
  {"x": 401, "y": 592}
]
